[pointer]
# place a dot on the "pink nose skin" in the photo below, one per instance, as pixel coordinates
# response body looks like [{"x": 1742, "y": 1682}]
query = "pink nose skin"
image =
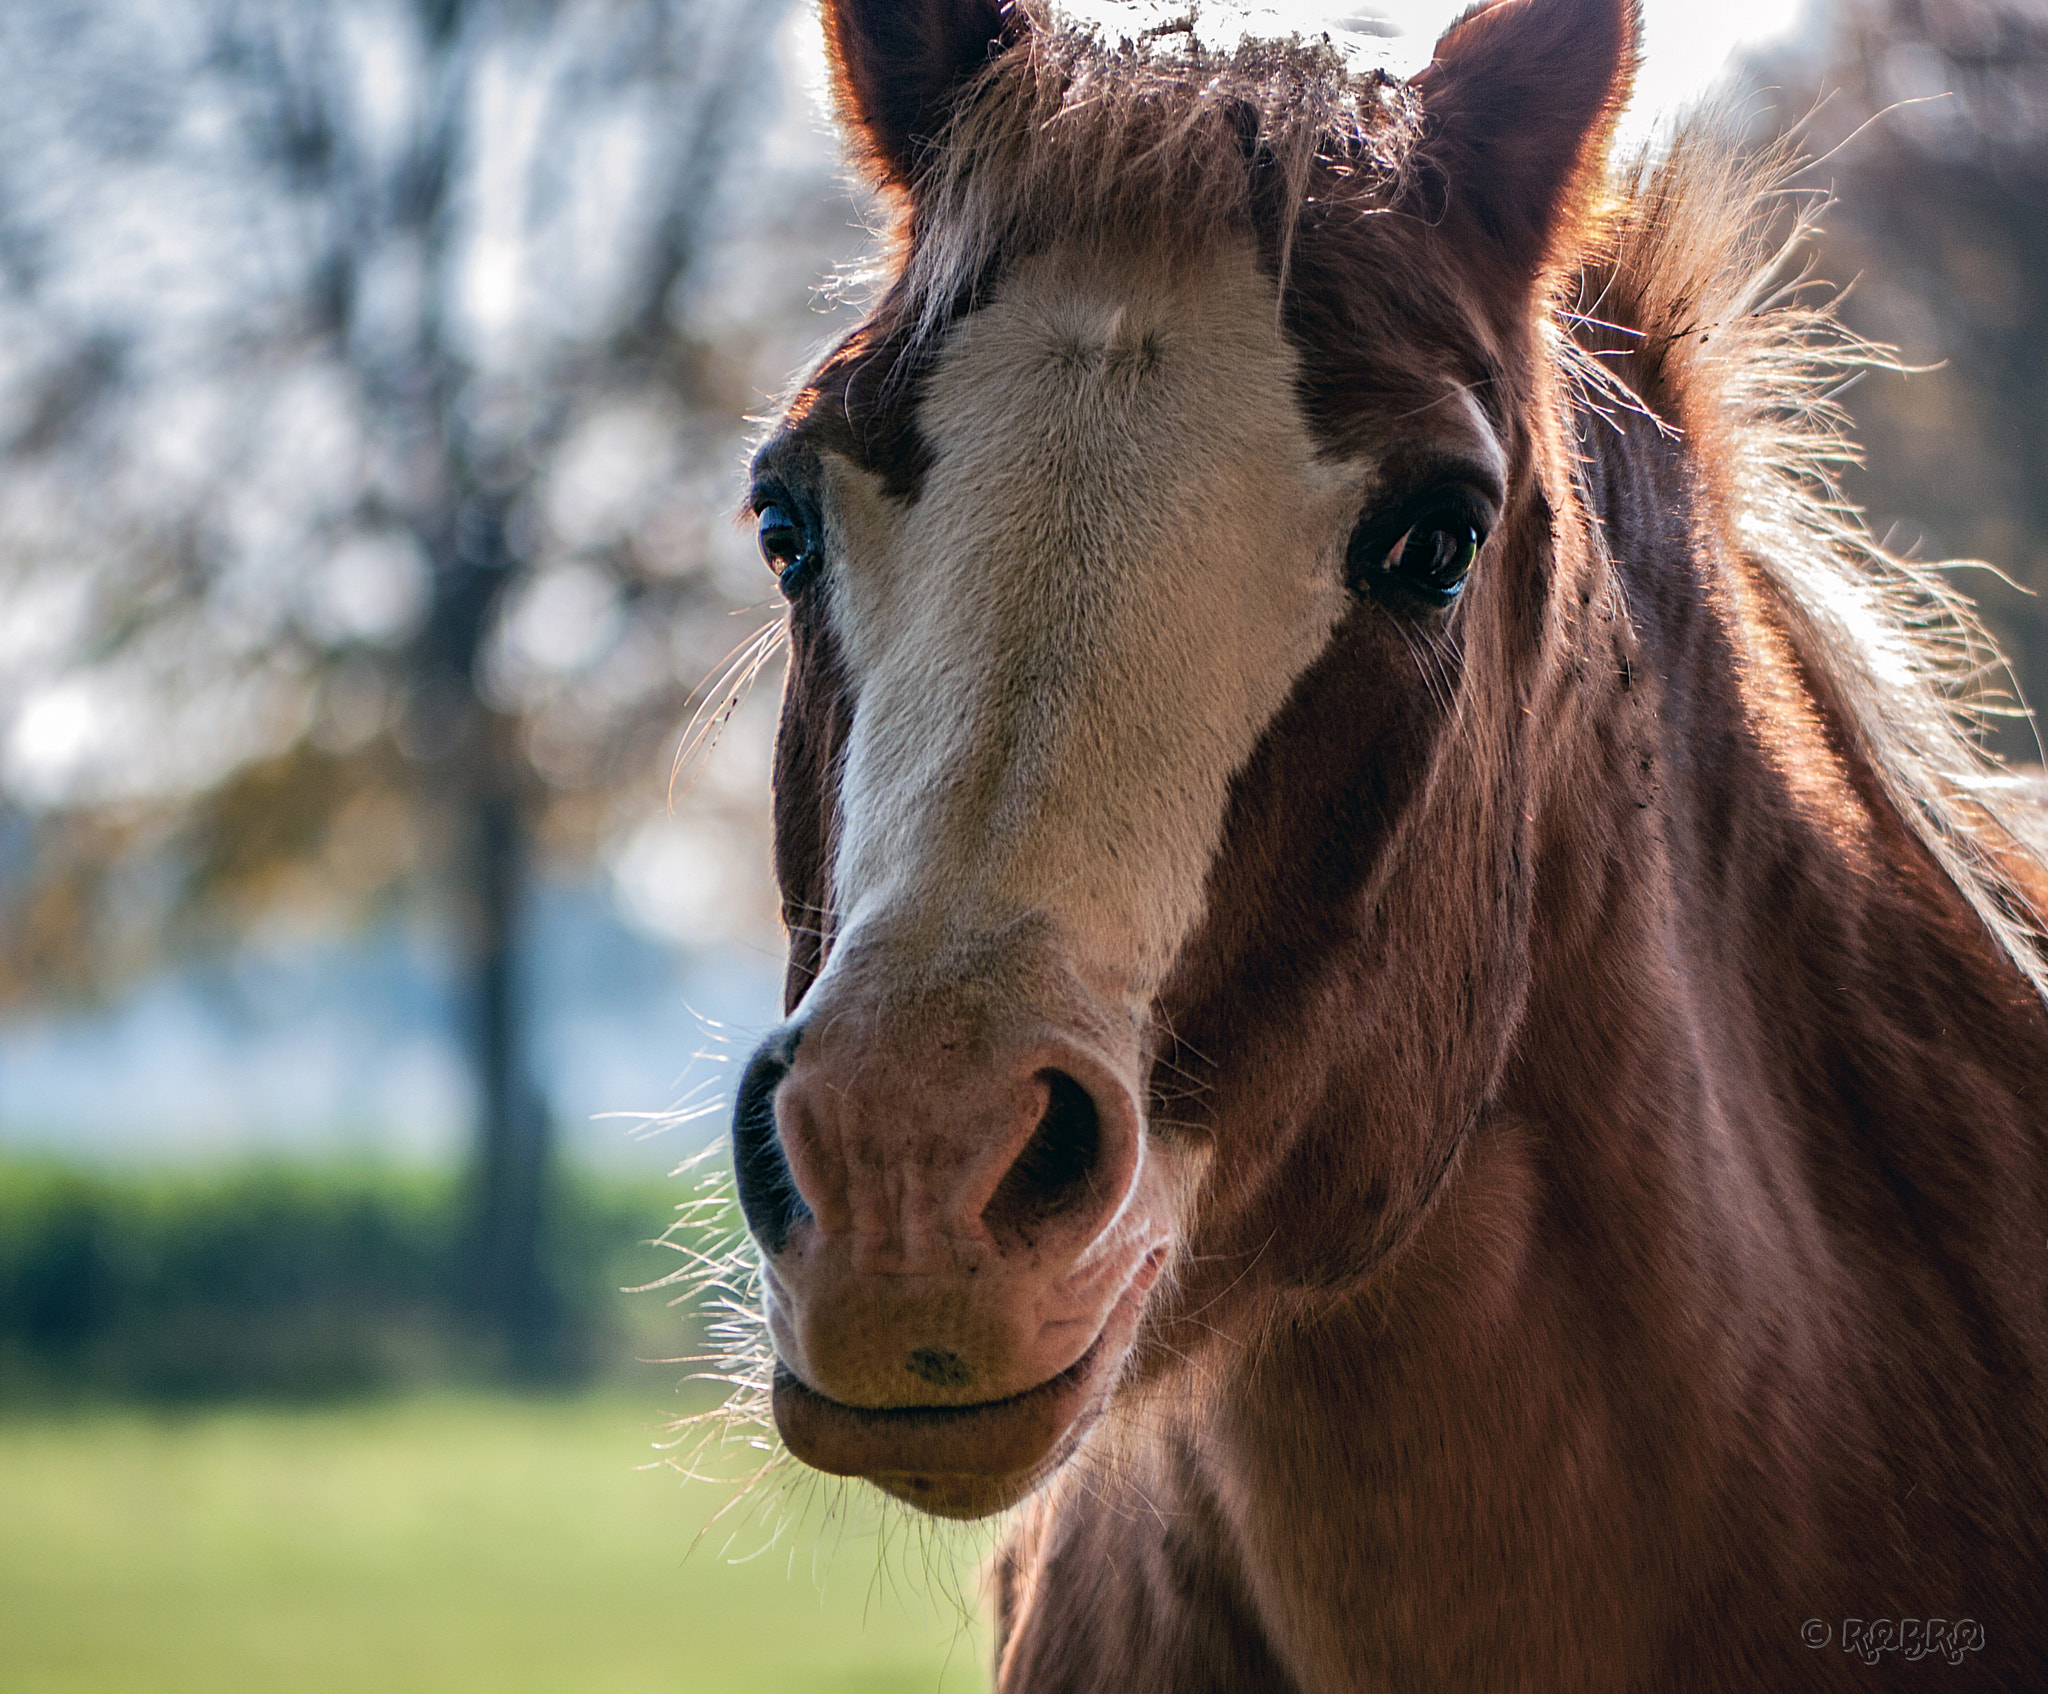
[{"x": 957, "y": 1223}]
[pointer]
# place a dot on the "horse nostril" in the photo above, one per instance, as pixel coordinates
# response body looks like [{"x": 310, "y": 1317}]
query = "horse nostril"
[
  {"x": 768, "y": 1192},
  {"x": 1056, "y": 1170}
]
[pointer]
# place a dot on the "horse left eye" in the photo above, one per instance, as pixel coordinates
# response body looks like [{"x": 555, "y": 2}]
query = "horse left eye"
[
  {"x": 1435, "y": 556},
  {"x": 1426, "y": 562}
]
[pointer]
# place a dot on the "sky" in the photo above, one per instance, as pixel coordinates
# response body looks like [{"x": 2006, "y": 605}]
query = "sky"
[{"x": 1686, "y": 45}]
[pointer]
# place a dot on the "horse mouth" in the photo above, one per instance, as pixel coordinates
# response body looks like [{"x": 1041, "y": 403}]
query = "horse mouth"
[{"x": 952, "y": 1461}]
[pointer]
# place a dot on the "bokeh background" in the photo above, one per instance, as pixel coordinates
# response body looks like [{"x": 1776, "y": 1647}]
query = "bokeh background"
[{"x": 384, "y": 880}]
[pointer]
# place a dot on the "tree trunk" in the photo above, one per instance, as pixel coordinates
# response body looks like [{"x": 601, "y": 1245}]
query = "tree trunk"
[
  {"x": 513, "y": 1290},
  {"x": 470, "y": 763}
]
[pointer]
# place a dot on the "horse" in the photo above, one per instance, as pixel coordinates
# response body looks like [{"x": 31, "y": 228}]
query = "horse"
[{"x": 1415, "y": 1024}]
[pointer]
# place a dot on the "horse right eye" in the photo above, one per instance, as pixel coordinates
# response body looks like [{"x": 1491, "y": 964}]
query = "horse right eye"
[{"x": 786, "y": 543}]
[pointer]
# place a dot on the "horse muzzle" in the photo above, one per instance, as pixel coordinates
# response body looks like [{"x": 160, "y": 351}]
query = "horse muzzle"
[{"x": 959, "y": 1226}]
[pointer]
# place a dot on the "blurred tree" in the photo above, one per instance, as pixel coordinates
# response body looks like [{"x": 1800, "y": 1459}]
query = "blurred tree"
[
  {"x": 1942, "y": 222},
  {"x": 363, "y": 476}
]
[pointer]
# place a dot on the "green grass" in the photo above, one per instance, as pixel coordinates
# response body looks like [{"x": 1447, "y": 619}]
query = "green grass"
[{"x": 442, "y": 1546}]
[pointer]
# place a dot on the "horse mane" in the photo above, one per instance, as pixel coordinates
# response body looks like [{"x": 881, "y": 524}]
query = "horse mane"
[
  {"x": 1696, "y": 309},
  {"x": 1690, "y": 307}
]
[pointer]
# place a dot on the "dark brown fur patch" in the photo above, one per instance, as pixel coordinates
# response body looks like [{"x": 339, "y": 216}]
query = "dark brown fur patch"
[{"x": 817, "y": 717}]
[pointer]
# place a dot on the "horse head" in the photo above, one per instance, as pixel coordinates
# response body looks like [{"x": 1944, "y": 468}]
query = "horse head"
[{"x": 1174, "y": 558}]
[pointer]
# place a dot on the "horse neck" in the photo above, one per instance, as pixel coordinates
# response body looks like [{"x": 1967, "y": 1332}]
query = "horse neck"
[{"x": 1751, "y": 986}]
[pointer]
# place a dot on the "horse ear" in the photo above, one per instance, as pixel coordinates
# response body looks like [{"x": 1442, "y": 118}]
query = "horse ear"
[
  {"x": 897, "y": 63},
  {"x": 1520, "y": 102}
]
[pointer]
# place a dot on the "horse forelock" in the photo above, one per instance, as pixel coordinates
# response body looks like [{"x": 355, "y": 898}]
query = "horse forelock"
[{"x": 1156, "y": 137}]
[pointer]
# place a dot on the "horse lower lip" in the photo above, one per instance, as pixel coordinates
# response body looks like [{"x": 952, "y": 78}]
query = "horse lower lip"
[{"x": 999, "y": 1438}]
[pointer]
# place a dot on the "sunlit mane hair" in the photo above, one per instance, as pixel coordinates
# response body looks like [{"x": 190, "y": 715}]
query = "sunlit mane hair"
[
  {"x": 1075, "y": 132},
  {"x": 1694, "y": 306}
]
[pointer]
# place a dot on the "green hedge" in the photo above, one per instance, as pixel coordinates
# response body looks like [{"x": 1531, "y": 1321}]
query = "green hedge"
[{"x": 282, "y": 1281}]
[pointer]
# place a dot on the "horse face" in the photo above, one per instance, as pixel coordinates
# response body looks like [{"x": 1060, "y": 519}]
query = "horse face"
[
  {"x": 1126, "y": 547},
  {"x": 1063, "y": 574}
]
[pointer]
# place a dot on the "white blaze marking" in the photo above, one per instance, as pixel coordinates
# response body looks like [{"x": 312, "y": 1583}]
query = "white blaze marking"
[{"x": 1125, "y": 554}]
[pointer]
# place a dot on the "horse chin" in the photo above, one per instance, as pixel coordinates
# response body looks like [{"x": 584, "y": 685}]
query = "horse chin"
[{"x": 959, "y": 1461}]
